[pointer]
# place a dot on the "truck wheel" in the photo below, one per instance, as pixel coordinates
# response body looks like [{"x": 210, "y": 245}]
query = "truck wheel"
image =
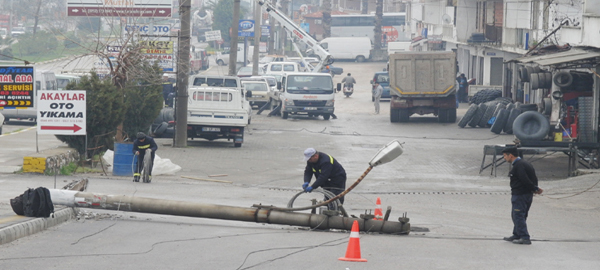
[
  {"x": 403, "y": 115},
  {"x": 360, "y": 59},
  {"x": 468, "y": 115},
  {"x": 284, "y": 115},
  {"x": 500, "y": 121},
  {"x": 451, "y": 115},
  {"x": 443, "y": 115},
  {"x": 326, "y": 116},
  {"x": 394, "y": 115}
]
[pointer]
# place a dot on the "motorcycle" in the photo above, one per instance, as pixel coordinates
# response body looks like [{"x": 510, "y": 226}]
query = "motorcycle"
[{"x": 348, "y": 91}]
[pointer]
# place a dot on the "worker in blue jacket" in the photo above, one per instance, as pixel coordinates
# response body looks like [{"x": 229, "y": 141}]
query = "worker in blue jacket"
[
  {"x": 329, "y": 174},
  {"x": 140, "y": 145}
]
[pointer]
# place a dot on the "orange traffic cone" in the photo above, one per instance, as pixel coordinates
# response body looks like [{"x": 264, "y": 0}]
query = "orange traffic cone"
[
  {"x": 378, "y": 211},
  {"x": 353, "y": 251}
]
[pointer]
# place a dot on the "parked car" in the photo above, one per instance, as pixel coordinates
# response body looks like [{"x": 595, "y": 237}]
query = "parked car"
[
  {"x": 383, "y": 78},
  {"x": 257, "y": 92},
  {"x": 17, "y": 31}
]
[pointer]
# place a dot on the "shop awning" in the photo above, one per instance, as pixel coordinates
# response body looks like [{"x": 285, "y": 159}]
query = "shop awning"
[{"x": 578, "y": 56}]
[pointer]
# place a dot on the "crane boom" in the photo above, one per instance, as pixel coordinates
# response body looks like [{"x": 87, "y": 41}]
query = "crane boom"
[{"x": 298, "y": 34}]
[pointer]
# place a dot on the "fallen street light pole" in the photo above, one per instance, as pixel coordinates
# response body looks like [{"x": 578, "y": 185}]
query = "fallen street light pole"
[{"x": 191, "y": 209}]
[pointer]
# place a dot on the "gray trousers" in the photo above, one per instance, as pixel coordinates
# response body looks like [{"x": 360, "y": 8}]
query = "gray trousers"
[{"x": 377, "y": 104}]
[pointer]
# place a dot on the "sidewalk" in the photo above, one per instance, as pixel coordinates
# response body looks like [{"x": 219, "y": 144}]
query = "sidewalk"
[{"x": 13, "y": 226}]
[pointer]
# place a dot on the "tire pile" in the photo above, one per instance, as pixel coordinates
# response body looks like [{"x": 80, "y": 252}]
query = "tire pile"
[
  {"x": 486, "y": 95},
  {"x": 501, "y": 115}
]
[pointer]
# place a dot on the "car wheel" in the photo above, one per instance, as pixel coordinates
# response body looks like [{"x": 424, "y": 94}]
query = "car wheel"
[
  {"x": 360, "y": 59},
  {"x": 237, "y": 144},
  {"x": 326, "y": 116},
  {"x": 220, "y": 62},
  {"x": 284, "y": 115}
]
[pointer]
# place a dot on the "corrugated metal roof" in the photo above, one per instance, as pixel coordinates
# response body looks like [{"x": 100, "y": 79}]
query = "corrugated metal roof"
[{"x": 572, "y": 55}]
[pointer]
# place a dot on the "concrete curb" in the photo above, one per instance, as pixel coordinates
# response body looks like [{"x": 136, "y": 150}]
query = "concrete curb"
[{"x": 33, "y": 226}]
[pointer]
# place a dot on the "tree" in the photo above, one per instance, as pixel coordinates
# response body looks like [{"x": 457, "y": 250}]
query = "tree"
[
  {"x": 37, "y": 44},
  {"x": 143, "y": 99}
]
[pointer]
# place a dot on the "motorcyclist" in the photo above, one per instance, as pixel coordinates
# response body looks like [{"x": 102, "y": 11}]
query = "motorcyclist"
[{"x": 349, "y": 81}]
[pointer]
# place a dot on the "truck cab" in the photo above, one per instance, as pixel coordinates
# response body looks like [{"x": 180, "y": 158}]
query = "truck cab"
[{"x": 311, "y": 94}]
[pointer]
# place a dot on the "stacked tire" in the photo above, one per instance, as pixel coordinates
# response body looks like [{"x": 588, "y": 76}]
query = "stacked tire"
[
  {"x": 479, "y": 115},
  {"x": 486, "y": 95}
]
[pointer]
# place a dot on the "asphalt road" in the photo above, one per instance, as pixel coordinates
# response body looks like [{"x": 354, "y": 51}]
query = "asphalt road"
[{"x": 458, "y": 215}]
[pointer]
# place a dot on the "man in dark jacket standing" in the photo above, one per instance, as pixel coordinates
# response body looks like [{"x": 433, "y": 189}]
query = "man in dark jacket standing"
[
  {"x": 140, "y": 145},
  {"x": 523, "y": 184},
  {"x": 329, "y": 174}
]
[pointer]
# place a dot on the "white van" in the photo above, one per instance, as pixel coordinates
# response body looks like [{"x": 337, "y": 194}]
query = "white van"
[
  {"x": 350, "y": 48},
  {"x": 282, "y": 67},
  {"x": 44, "y": 80}
]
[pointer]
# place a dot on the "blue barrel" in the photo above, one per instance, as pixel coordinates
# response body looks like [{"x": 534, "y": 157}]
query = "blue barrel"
[{"x": 123, "y": 158}]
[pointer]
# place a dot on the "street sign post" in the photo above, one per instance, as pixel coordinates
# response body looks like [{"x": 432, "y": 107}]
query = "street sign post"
[
  {"x": 16, "y": 87},
  {"x": 119, "y": 8},
  {"x": 246, "y": 28},
  {"x": 61, "y": 112}
]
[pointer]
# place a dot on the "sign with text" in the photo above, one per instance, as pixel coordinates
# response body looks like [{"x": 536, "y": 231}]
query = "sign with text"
[
  {"x": 159, "y": 29},
  {"x": 165, "y": 61},
  {"x": 119, "y": 8},
  {"x": 246, "y": 28},
  {"x": 265, "y": 30},
  {"x": 61, "y": 112},
  {"x": 16, "y": 87},
  {"x": 213, "y": 35},
  {"x": 156, "y": 47}
]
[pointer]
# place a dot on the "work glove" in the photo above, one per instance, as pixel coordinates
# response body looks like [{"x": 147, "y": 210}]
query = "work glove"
[
  {"x": 137, "y": 153},
  {"x": 308, "y": 189},
  {"x": 304, "y": 185}
]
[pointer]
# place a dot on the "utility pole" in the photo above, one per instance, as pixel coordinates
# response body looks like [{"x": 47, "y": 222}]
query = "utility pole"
[
  {"x": 257, "y": 36},
  {"x": 183, "y": 69},
  {"x": 234, "y": 38},
  {"x": 326, "y": 8}
]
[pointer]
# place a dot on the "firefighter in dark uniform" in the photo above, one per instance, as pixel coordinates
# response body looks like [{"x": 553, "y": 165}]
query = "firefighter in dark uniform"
[
  {"x": 140, "y": 145},
  {"x": 329, "y": 174}
]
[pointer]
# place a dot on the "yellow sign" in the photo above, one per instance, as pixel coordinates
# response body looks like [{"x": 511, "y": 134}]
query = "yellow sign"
[{"x": 157, "y": 47}]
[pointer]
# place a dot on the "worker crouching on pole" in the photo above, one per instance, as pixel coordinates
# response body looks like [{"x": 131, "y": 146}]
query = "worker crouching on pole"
[{"x": 329, "y": 174}]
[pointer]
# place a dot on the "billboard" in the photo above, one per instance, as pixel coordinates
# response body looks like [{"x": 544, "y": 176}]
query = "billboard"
[
  {"x": 119, "y": 8},
  {"x": 16, "y": 87}
]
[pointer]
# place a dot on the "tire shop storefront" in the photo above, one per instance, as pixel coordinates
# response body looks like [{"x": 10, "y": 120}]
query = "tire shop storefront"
[{"x": 566, "y": 86}]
